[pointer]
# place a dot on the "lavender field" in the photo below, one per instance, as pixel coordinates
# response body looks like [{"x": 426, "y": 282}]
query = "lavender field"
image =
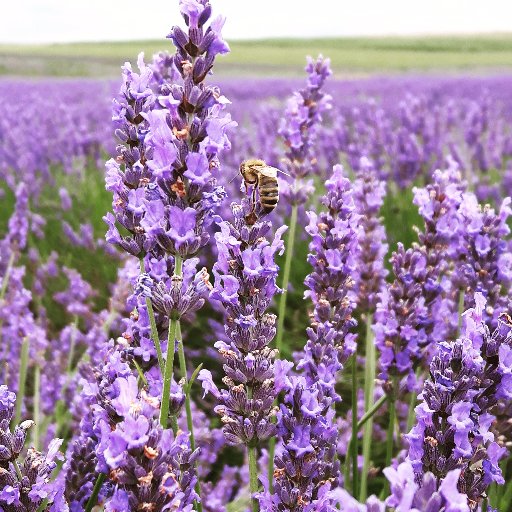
[{"x": 170, "y": 342}]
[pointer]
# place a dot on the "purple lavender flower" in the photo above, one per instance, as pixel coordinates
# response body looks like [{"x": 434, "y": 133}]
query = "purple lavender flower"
[
  {"x": 24, "y": 485},
  {"x": 467, "y": 378},
  {"x": 439, "y": 241},
  {"x": 17, "y": 323},
  {"x": 299, "y": 128},
  {"x": 305, "y": 467},
  {"x": 184, "y": 296},
  {"x": 333, "y": 256},
  {"x": 246, "y": 294},
  {"x": 187, "y": 129},
  {"x": 76, "y": 298},
  {"x": 127, "y": 176},
  {"x": 121, "y": 437},
  {"x": 417, "y": 309},
  {"x": 19, "y": 221},
  {"x": 402, "y": 319},
  {"x": 482, "y": 255},
  {"x": 369, "y": 194},
  {"x": 65, "y": 199},
  {"x": 428, "y": 494}
]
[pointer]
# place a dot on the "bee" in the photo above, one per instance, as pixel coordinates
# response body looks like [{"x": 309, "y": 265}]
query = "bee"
[{"x": 264, "y": 178}]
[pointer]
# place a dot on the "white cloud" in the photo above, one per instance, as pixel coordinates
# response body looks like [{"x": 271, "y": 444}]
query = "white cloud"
[{"x": 98, "y": 20}]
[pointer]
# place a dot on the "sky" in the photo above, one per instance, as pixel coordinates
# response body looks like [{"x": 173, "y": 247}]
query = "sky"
[{"x": 47, "y": 21}]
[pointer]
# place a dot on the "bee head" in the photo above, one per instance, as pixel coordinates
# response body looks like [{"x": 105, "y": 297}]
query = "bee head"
[{"x": 249, "y": 170}]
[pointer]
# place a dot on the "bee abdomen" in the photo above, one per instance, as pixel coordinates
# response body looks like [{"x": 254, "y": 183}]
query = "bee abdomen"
[
  {"x": 268, "y": 204},
  {"x": 269, "y": 193}
]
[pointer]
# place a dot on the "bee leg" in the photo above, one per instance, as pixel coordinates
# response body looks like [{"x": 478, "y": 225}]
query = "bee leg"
[{"x": 254, "y": 198}]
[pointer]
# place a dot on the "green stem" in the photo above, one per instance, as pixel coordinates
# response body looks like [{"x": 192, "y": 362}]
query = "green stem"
[
  {"x": 346, "y": 470},
  {"x": 22, "y": 378},
  {"x": 37, "y": 406},
  {"x": 184, "y": 378},
  {"x": 61, "y": 411},
  {"x": 108, "y": 321},
  {"x": 280, "y": 324},
  {"x": 390, "y": 435},
  {"x": 271, "y": 453},
  {"x": 286, "y": 278},
  {"x": 460, "y": 311},
  {"x": 3, "y": 289},
  {"x": 17, "y": 469},
  {"x": 142, "y": 377},
  {"x": 95, "y": 492},
  {"x": 412, "y": 403},
  {"x": 506, "y": 500},
  {"x": 369, "y": 390},
  {"x": 43, "y": 506},
  {"x": 169, "y": 365},
  {"x": 253, "y": 478},
  {"x": 152, "y": 321},
  {"x": 178, "y": 269},
  {"x": 500, "y": 489},
  {"x": 391, "y": 431},
  {"x": 71, "y": 353},
  {"x": 369, "y": 414},
  {"x": 7, "y": 275},
  {"x": 355, "y": 442},
  {"x": 188, "y": 408}
]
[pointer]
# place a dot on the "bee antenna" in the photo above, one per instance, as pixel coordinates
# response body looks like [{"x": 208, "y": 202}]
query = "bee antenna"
[{"x": 233, "y": 178}]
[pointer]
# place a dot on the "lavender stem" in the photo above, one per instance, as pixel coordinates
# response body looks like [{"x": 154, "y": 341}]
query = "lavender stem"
[
  {"x": 390, "y": 434},
  {"x": 369, "y": 390},
  {"x": 506, "y": 500},
  {"x": 188, "y": 409},
  {"x": 22, "y": 380},
  {"x": 96, "y": 490},
  {"x": 152, "y": 322},
  {"x": 140, "y": 372},
  {"x": 169, "y": 365},
  {"x": 37, "y": 406},
  {"x": 368, "y": 415},
  {"x": 17, "y": 469},
  {"x": 253, "y": 478},
  {"x": 460, "y": 311},
  {"x": 412, "y": 403},
  {"x": 286, "y": 278},
  {"x": 7, "y": 275},
  {"x": 5, "y": 283},
  {"x": 355, "y": 443},
  {"x": 71, "y": 354}
]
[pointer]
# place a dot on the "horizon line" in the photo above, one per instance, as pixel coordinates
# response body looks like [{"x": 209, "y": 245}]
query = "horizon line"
[{"x": 422, "y": 35}]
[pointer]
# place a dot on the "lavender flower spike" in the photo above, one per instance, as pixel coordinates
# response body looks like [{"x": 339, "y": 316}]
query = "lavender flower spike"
[
  {"x": 188, "y": 129},
  {"x": 245, "y": 284},
  {"x": 305, "y": 468},
  {"x": 24, "y": 486},
  {"x": 333, "y": 256},
  {"x": 369, "y": 194},
  {"x": 300, "y": 127},
  {"x": 412, "y": 494},
  {"x": 468, "y": 377}
]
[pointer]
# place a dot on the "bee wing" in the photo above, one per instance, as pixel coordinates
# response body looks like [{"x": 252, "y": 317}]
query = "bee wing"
[{"x": 269, "y": 171}]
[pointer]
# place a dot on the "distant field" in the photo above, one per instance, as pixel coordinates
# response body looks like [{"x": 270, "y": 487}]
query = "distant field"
[{"x": 275, "y": 57}]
